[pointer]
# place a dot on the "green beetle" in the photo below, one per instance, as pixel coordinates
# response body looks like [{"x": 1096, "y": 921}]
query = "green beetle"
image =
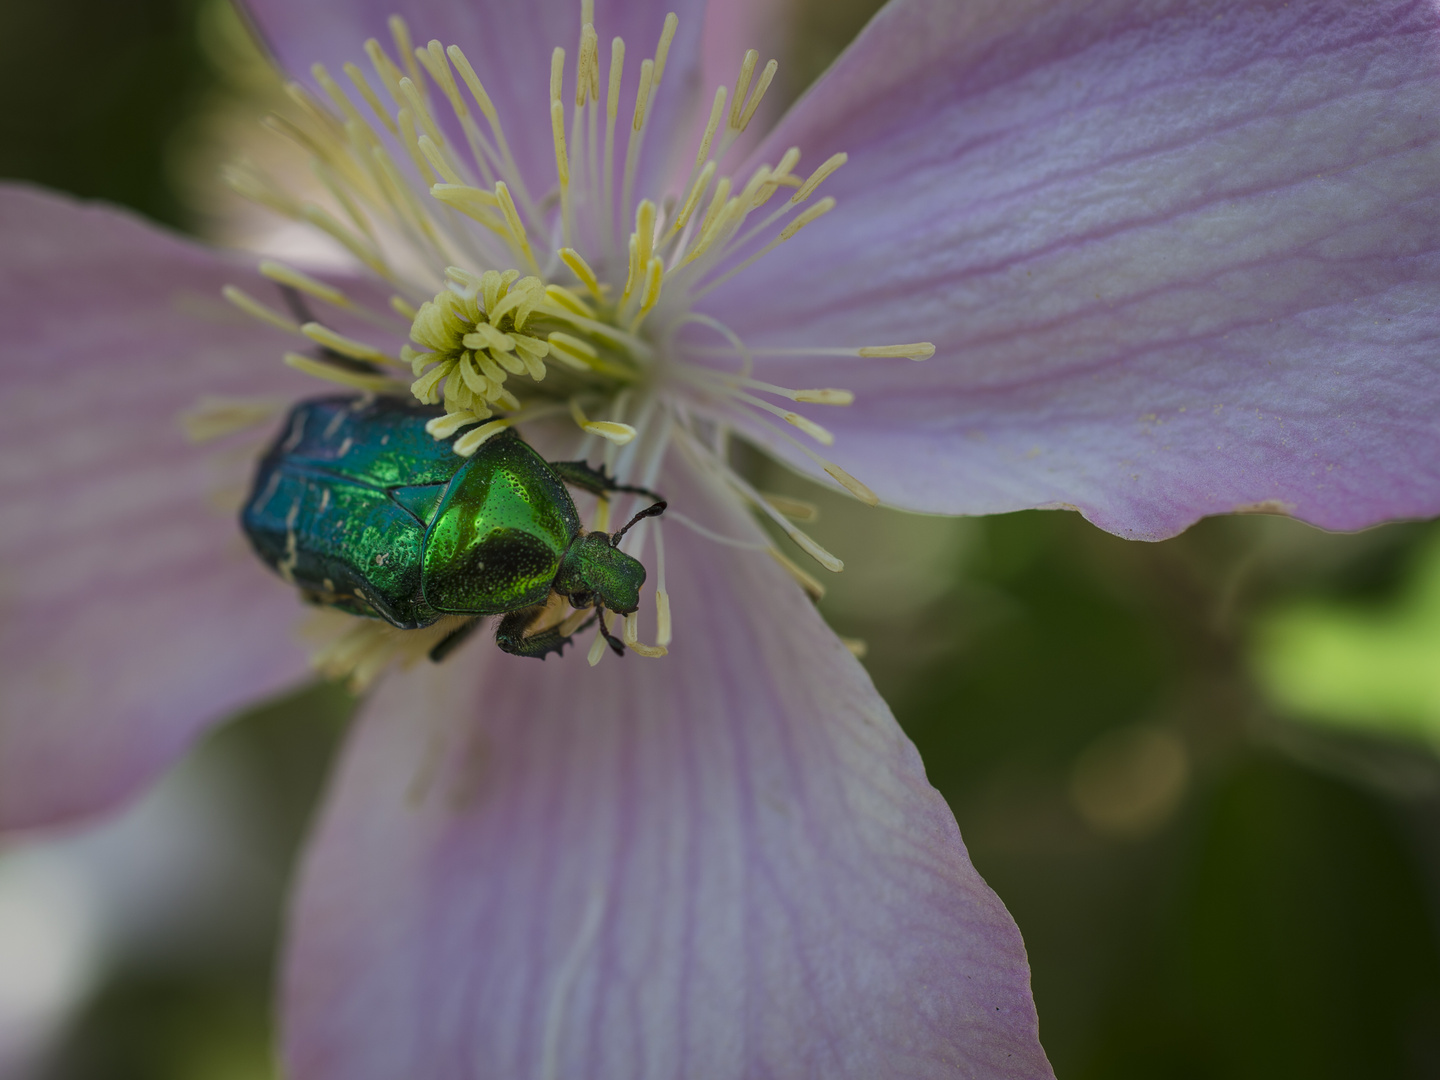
[{"x": 360, "y": 508}]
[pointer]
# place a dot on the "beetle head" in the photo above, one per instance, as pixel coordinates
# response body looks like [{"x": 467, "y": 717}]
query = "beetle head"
[{"x": 595, "y": 569}]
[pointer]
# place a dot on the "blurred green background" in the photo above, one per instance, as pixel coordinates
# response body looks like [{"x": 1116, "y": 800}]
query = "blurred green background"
[{"x": 1202, "y": 774}]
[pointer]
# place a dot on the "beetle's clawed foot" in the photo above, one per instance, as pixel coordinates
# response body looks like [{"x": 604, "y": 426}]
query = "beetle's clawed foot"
[
  {"x": 513, "y": 634},
  {"x": 610, "y": 639}
]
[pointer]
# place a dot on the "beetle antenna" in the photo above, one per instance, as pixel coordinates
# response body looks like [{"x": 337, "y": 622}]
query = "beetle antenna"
[
  {"x": 654, "y": 510},
  {"x": 614, "y": 642}
]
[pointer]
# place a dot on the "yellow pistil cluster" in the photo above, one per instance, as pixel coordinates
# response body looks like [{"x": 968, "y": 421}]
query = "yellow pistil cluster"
[{"x": 473, "y": 340}]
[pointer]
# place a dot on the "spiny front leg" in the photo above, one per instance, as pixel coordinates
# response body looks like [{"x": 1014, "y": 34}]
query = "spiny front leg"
[
  {"x": 596, "y": 481},
  {"x": 514, "y": 636}
]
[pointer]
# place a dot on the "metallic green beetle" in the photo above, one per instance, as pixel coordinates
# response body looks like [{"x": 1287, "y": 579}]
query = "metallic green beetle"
[{"x": 360, "y": 508}]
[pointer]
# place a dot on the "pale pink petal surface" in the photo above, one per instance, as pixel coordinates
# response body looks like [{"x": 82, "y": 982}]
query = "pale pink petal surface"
[
  {"x": 510, "y": 47},
  {"x": 726, "y": 863},
  {"x": 1177, "y": 258},
  {"x": 132, "y": 614}
]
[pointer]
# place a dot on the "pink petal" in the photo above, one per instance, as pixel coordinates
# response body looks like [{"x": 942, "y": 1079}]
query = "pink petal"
[
  {"x": 133, "y": 614},
  {"x": 725, "y": 863},
  {"x": 732, "y": 27},
  {"x": 1178, "y": 259},
  {"x": 509, "y": 47}
]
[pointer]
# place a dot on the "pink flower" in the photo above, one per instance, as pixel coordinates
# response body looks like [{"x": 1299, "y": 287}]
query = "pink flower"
[{"x": 1176, "y": 258}]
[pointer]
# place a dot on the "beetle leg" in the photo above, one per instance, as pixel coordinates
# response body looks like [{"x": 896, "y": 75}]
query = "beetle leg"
[
  {"x": 511, "y": 636},
  {"x": 596, "y": 481},
  {"x": 448, "y": 644},
  {"x": 614, "y": 642}
]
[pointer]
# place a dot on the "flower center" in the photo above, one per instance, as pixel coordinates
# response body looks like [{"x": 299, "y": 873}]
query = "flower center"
[{"x": 507, "y": 320}]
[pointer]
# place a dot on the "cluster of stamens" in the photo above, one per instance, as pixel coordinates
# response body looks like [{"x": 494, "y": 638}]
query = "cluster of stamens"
[{"x": 497, "y": 346}]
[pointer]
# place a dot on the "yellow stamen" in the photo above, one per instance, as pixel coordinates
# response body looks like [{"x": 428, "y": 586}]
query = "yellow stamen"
[
  {"x": 599, "y": 647},
  {"x": 662, "y": 50},
  {"x": 920, "y": 350},
  {"x": 374, "y": 384},
  {"x": 805, "y": 580},
  {"x": 438, "y": 161},
  {"x": 512, "y": 220},
  {"x": 347, "y": 346},
  {"x": 825, "y": 397},
  {"x": 566, "y": 299},
  {"x": 663, "y": 629},
  {"x": 794, "y": 509},
  {"x": 572, "y": 351},
  {"x": 581, "y": 269},
  {"x": 385, "y": 69},
  {"x": 819, "y": 210},
  {"x": 214, "y": 417},
  {"x": 254, "y": 308},
  {"x": 288, "y": 275},
  {"x": 619, "y": 434},
  {"x": 367, "y": 94},
  {"x": 400, "y": 34},
  {"x": 587, "y": 70},
  {"x": 833, "y": 162},
  {"x": 631, "y": 638},
  {"x": 654, "y": 279},
  {"x": 642, "y": 95},
  {"x": 850, "y": 484},
  {"x": 471, "y": 441},
  {"x": 697, "y": 191},
  {"x": 742, "y": 87},
  {"x": 814, "y": 430},
  {"x": 717, "y": 110},
  {"x": 477, "y": 204},
  {"x": 442, "y": 427},
  {"x": 766, "y": 77}
]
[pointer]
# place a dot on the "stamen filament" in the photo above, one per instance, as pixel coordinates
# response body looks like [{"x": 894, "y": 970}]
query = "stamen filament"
[
  {"x": 288, "y": 275},
  {"x": 254, "y": 308},
  {"x": 794, "y": 509},
  {"x": 766, "y": 77},
  {"x": 487, "y": 109},
  {"x": 619, "y": 434},
  {"x": 920, "y": 350},
  {"x": 819, "y": 210},
  {"x": 374, "y": 384},
  {"x": 581, "y": 269},
  {"x": 517, "y": 230},
  {"x": 612, "y": 113},
  {"x": 214, "y": 416},
  {"x": 346, "y": 346},
  {"x": 367, "y": 94},
  {"x": 805, "y": 580},
  {"x": 828, "y": 166},
  {"x": 600, "y": 646},
  {"x": 631, "y": 638},
  {"x": 654, "y": 279},
  {"x": 477, "y": 204},
  {"x": 663, "y": 628},
  {"x": 742, "y": 87}
]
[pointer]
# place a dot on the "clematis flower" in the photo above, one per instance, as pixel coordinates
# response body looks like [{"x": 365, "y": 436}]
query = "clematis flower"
[{"x": 1174, "y": 259}]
